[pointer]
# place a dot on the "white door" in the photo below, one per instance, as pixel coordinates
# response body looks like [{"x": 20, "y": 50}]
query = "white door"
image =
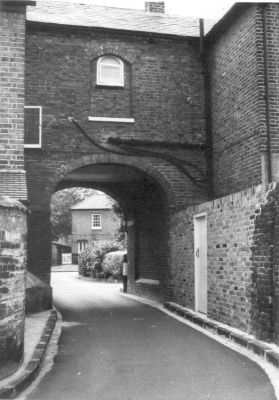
[
  {"x": 66, "y": 258},
  {"x": 200, "y": 239}
]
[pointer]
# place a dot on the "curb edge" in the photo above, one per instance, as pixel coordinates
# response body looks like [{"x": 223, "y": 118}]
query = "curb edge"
[{"x": 33, "y": 367}]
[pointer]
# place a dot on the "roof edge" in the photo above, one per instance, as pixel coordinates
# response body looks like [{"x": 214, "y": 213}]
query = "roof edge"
[
  {"x": 115, "y": 30},
  {"x": 19, "y": 2},
  {"x": 233, "y": 13},
  {"x": 90, "y": 209}
]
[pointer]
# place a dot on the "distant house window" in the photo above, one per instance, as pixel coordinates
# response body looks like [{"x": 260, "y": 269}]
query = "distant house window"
[
  {"x": 32, "y": 126},
  {"x": 82, "y": 245},
  {"x": 110, "y": 71},
  {"x": 96, "y": 221}
]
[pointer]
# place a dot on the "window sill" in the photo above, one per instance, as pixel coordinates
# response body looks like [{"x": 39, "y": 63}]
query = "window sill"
[
  {"x": 32, "y": 146},
  {"x": 104, "y": 86},
  {"x": 107, "y": 119}
]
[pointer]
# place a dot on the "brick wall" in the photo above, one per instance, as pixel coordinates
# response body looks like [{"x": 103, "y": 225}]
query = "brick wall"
[
  {"x": 12, "y": 284},
  {"x": 242, "y": 267},
  {"x": 61, "y": 72},
  {"x": 238, "y": 105},
  {"x": 272, "y": 14},
  {"x": 12, "y": 50}
]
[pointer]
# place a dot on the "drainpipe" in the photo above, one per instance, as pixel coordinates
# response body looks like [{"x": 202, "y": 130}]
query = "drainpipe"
[
  {"x": 267, "y": 95},
  {"x": 208, "y": 118}
]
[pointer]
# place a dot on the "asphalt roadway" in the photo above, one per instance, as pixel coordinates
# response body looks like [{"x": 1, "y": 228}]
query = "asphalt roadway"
[{"x": 114, "y": 348}]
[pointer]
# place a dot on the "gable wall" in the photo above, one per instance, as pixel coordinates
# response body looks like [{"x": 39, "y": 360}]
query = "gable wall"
[
  {"x": 237, "y": 102},
  {"x": 163, "y": 85}
]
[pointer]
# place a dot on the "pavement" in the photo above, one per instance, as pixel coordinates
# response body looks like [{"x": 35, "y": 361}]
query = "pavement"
[
  {"x": 112, "y": 347},
  {"x": 65, "y": 268},
  {"x": 38, "y": 330},
  {"x": 104, "y": 310}
]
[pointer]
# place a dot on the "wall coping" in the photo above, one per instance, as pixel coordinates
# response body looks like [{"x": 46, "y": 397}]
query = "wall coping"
[
  {"x": 20, "y": 2},
  {"x": 259, "y": 189},
  {"x": 7, "y": 202},
  {"x": 148, "y": 281}
]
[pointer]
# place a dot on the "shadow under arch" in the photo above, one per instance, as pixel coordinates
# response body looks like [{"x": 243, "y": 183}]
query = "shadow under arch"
[{"x": 142, "y": 165}]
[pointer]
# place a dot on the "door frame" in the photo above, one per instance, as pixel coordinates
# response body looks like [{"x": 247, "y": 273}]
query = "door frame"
[{"x": 196, "y": 274}]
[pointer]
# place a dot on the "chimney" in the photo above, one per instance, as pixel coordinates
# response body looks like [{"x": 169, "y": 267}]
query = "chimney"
[{"x": 156, "y": 7}]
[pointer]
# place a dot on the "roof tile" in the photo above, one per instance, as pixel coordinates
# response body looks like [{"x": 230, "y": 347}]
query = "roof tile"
[
  {"x": 88, "y": 15},
  {"x": 96, "y": 202}
]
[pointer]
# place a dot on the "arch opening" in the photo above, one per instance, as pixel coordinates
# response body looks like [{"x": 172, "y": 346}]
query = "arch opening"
[{"x": 145, "y": 208}]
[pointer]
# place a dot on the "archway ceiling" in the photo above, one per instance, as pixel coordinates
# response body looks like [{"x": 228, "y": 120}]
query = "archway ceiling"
[{"x": 105, "y": 173}]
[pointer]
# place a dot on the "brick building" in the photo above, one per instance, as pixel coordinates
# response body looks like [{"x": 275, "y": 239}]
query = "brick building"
[
  {"x": 92, "y": 219},
  {"x": 70, "y": 50},
  {"x": 176, "y": 121}
]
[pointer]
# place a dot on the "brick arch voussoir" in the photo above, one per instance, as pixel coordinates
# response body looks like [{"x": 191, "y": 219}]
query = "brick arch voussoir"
[
  {"x": 113, "y": 50},
  {"x": 143, "y": 165}
]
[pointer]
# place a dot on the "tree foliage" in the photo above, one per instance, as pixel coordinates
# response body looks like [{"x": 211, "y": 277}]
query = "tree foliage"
[{"x": 121, "y": 234}]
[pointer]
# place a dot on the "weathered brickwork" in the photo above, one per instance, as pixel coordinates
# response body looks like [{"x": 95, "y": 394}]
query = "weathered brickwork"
[
  {"x": 12, "y": 58},
  {"x": 12, "y": 284},
  {"x": 241, "y": 263},
  {"x": 238, "y": 103}
]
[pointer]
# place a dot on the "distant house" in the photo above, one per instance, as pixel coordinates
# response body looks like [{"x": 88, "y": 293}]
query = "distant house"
[{"x": 92, "y": 219}]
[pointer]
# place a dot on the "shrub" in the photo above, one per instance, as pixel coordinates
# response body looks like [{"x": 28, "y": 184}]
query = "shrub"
[
  {"x": 112, "y": 264},
  {"x": 91, "y": 262}
]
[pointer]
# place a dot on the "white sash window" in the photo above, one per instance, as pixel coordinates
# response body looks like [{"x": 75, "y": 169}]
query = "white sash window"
[
  {"x": 96, "y": 221},
  {"x": 110, "y": 71},
  {"x": 32, "y": 126}
]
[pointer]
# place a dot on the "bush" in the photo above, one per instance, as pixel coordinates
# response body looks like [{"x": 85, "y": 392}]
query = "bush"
[
  {"x": 91, "y": 262},
  {"x": 112, "y": 264}
]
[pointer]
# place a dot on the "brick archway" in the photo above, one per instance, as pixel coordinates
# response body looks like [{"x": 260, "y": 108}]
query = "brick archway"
[
  {"x": 143, "y": 165},
  {"x": 149, "y": 205},
  {"x": 113, "y": 50}
]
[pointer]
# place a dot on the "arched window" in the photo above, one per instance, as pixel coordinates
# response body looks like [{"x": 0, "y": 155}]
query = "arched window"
[{"x": 110, "y": 71}]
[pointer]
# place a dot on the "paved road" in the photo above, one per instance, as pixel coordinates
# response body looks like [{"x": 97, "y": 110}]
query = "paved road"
[
  {"x": 113, "y": 348},
  {"x": 65, "y": 268}
]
